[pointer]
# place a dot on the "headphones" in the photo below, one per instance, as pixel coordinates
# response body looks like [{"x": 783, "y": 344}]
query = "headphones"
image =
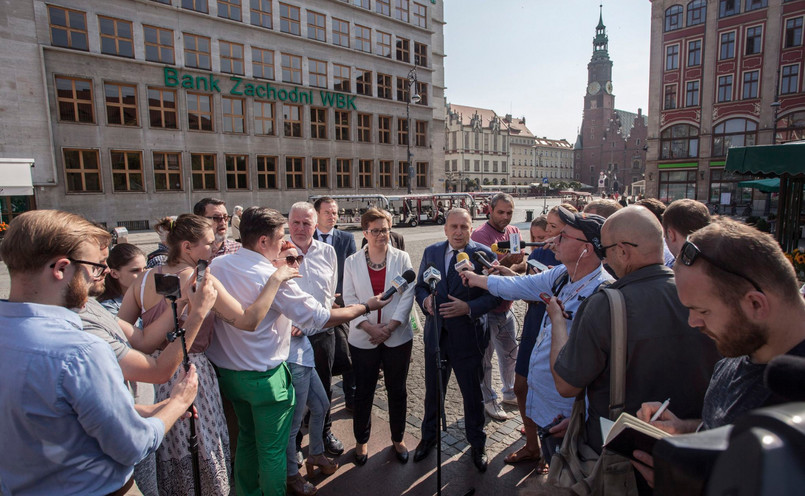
[{"x": 583, "y": 252}]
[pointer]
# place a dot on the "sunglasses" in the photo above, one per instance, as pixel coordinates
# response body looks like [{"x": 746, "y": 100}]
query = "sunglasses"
[
  {"x": 218, "y": 218},
  {"x": 607, "y": 247},
  {"x": 290, "y": 259},
  {"x": 690, "y": 252}
]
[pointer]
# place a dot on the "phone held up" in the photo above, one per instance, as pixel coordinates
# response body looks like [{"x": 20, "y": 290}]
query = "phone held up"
[
  {"x": 201, "y": 273},
  {"x": 537, "y": 266},
  {"x": 168, "y": 285}
]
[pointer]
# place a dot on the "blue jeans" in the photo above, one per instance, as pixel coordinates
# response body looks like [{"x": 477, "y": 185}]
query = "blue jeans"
[
  {"x": 503, "y": 340},
  {"x": 309, "y": 393}
]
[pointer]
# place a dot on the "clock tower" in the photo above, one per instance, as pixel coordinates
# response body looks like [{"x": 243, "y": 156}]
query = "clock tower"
[{"x": 599, "y": 71}]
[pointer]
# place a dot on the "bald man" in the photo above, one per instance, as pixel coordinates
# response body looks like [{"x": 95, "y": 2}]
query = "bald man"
[{"x": 666, "y": 358}]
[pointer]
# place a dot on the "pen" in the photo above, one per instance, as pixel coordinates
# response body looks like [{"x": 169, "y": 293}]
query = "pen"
[{"x": 662, "y": 409}]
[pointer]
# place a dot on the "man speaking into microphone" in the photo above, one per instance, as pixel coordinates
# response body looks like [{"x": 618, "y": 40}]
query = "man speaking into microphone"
[{"x": 460, "y": 335}]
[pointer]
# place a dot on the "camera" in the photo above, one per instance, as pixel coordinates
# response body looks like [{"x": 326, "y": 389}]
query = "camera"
[{"x": 168, "y": 285}]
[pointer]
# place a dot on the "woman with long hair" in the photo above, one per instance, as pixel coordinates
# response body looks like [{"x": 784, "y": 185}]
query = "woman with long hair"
[{"x": 126, "y": 264}]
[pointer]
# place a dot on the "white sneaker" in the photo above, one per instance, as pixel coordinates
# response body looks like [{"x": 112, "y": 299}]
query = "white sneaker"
[{"x": 494, "y": 410}]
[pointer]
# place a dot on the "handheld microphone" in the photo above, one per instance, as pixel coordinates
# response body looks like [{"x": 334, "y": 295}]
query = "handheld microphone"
[
  {"x": 399, "y": 284},
  {"x": 504, "y": 246},
  {"x": 481, "y": 259},
  {"x": 514, "y": 242},
  {"x": 785, "y": 376},
  {"x": 463, "y": 262},
  {"x": 432, "y": 276}
]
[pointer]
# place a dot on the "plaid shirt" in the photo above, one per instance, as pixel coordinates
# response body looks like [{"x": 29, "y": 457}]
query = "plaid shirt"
[{"x": 228, "y": 246}]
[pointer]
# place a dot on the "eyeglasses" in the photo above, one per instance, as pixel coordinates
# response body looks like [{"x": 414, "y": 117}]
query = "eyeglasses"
[
  {"x": 607, "y": 247},
  {"x": 96, "y": 269},
  {"x": 378, "y": 232},
  {"x": 690, "y": 252},
  {"x": 290, "y": 259},
  {"x": 218, "y": 218},
  {"x": 563, "y": 235}
]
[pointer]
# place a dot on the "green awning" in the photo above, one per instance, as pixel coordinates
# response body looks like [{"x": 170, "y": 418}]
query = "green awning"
[
  {"x": 770, "y": 185},
  {"x": 768, "y": 160}
]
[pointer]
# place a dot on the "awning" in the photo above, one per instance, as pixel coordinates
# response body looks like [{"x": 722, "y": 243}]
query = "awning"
[
  {"x": 15, "y": 177},
  {"x": 768, "y": 160},
  {"x": 771, "y": 185}
]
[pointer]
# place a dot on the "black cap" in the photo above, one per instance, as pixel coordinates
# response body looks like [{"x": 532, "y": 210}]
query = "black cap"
[{"x": 588, "y": 224}]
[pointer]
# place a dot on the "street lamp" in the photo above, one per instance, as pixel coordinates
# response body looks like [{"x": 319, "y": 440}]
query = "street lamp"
[{"x": 413, "y": 97}]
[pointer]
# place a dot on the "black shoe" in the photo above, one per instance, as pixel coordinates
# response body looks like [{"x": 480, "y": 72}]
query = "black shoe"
[
  {"x": 360, "y": 460},
  {"x": 300, "y": 458},
  {"x": 402, "y": 457},
  {"x": 479, "y": 459},
  {"x": 423, "y": 449},
  {"x": 332, "y": 445}
]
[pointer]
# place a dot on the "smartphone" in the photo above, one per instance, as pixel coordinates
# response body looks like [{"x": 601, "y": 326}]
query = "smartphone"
[
  {"x": 168, "y": 285},
  {"x": 545, "y": 297},
  {"x": 537, "y": 266},
  {"x": 201, "y": 272}
]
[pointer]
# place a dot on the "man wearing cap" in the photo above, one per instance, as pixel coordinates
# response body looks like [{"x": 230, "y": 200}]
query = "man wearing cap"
[{"x": 577, "y": 246}]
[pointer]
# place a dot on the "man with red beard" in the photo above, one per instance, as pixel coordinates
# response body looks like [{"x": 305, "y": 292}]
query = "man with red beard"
[
  {"x": 69, "y": 423},
  {"x": 742, "y": 292}
]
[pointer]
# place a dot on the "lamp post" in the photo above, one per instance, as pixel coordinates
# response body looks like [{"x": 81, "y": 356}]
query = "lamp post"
[{"x": 415, "y": 98}]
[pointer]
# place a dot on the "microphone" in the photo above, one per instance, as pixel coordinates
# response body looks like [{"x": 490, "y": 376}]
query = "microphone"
[
  {"x": 432, "y": 276},
  {"x": 481, "y": 259},
  {"x": 463, "y": 262},
  {"x": 399, "y": 284},
  {"x": 504, "y": 246},
  {"x": 785, "y": 376}
]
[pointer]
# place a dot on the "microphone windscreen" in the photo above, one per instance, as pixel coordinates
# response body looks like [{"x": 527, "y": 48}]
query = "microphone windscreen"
[
  {"x": 409, "y": 276},
  {"x": 462, "y": 256},
  {"x": 785, "y": 376}
]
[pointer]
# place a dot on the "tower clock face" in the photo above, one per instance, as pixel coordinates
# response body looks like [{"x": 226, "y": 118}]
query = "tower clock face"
[
  {"x": 608, "y": 87},
  {"x": 593, "y": 87}
]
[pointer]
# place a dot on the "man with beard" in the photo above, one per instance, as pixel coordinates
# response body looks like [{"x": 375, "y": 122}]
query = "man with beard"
[
  {"x": 69, "y": 424},
  {"x": 742, "y": 292},
  {"x": 215, "y": 210}
]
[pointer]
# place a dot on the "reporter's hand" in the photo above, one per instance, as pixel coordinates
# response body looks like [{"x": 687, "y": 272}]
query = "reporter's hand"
[
  {"x": 555, "y": 309},
  {"x": 189, "y": 413},
  {"x": 470, "y": 278},
  {"x": 644, "y": 465},
  {"x": 375, "y": 303},
  {"x": 560, "y": 429},
  {"x": 667, "y": 422},
  {"x": 204, "y": 298},
  {"x": 511, "y": 259},
  {"x": 185, "y": 389},
  {"x": 501, "y": 270},
  {"x": 295, "y": 331}
]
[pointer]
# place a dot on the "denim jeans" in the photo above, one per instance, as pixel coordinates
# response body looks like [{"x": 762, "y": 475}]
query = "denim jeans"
[
  {"x": 503, "y": 340},
  {"x": 309, "y": 394}
]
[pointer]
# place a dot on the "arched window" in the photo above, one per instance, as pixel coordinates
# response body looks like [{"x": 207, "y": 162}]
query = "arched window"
[
  {"x": 680, "y": 141},
  {"x": 791, "y": 127},
  {"x": 733, "y": 132},
  {"x": 673, "y": 17},
  {"x": 697, "y": 10}
]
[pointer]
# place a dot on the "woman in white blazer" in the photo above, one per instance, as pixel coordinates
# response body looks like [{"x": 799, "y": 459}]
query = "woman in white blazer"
[{"x": 381, "y": 338}]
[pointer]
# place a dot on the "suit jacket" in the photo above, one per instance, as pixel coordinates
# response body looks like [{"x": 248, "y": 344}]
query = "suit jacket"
[
  {"x": 479, "y": 300},
  {"x": 344, "y": 244},
  {"x": 358, "y": 289}
]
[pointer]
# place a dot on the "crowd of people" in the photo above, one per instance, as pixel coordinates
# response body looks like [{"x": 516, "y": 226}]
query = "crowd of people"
[{"x": 275, "y": 318}]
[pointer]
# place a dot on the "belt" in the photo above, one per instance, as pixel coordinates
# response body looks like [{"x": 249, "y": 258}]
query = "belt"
[{"x": 123, "y": 490}]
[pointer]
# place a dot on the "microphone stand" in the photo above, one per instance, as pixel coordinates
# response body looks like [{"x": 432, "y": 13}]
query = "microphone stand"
[
  {"x": 192, "y": 439},
  {"x": 440, "y": 415}
]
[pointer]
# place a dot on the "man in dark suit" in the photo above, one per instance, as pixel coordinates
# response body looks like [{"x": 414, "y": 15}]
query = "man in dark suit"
[{"x": 460, "y": 334}]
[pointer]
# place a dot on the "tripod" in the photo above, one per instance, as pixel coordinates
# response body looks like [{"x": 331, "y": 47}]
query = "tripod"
[{"x": 192, "y": 439}]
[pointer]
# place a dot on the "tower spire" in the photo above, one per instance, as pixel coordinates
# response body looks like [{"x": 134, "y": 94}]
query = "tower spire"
[{"x": 601, "y": 40}]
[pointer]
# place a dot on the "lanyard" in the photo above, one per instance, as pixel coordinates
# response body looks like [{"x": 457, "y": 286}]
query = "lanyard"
[{"x": 544, "y": 331}]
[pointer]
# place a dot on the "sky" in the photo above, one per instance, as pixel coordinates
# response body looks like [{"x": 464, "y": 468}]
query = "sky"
[{"x": 529, "y": 57}]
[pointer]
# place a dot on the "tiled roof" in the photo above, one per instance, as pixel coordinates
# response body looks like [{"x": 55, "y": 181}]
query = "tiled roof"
[
  {"x": 562, "y": 143},
  {"x": 518, "y": 128},
  {"x": 466, "y": 114},
  {"x": 627, "y": 120}
]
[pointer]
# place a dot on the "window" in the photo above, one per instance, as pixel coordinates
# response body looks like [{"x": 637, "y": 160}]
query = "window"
[
  {"x": 755, "y": 4},
  {"x": 384, "y": 129},
  {"x": 402, "y": 175},
  {"x": 167, "y": 171},
  {"x": 365, "y": 174},
  {"x": 234, "y": 114},
  {"x": 384, "y": 173},
  {"x": 294, "y": 172},
  {"x": 728, "y": 7},
  {"x": 263, "y": 118},
  {"x": 199, "y": 112},
  {"x": 68, "y": 28},
  {"x": 237, "y": 171},
  {"x": 677, "y": 184},
  {"x": 74, "y": 99},
  {"x": 754, "y": 40},
  {"x": 670, "y": 97},
  {"x": 403, "y": 91},
  {"x": 692, "y": 94},
  {"x": 697, "y": 10},
  {"x": 402, "y": 131},
  {"x": 292, "y": 120},
  {"x": 750, "y": 85},
  {"x": 362, "y": 3},
  {"x": 197, "y": 5},
  {"x": 789, "y": 82},
  {"x": 81, "y": 171},
  {"x": 422, "y": 91},
  {"x": 671, "y": 57},
  {"x": 421, "y": 174},
  {"x": 262, "y": 63},
  {"x": 318, "y": 123},
  {"x": 121, "y": 104},
  {"x": 733, "y": 132},
  {"x": 679, "y": 141},
  {"x": 791, "y": 127},
  {"x": 343, "y": 173},
  {"x": 266, "y": 172},
  {"x": 727, "y": 46},
  {"x": 291, "y": 68},
  {"x": 383, "y": 7},
  {"x": 725, "y": 89},
  {"x": 793, "y": 32},
  {"x": 127, "y": 171},
  {"x": 722, "y": 181},
  {"x": 341, "y": 32},
  {"x": 384, "y": 44},
  {"x": 261, "y": 13},
  {"x": 421, "y": 133},
  {"x": 420, "y": 54},
  {"x": 158, "y": 44},
  {"x": 315, "y": 26},
  {"x": 365, "y": 128},
  {"x": 420, "y": 15},
  {"x": 673, "y": 17},
  {"x": 229, "y": 9},
  {"x": 363, "y": 83},
  {"x": 116, "y": 37},
  {"x": 342, "y": 125},
  {"x": 319, "y": 168},
  {"x": 202, "y": 166},
  {"x": 384, "y": 86},
  {"x": 317, "y": 73},
  {"x": 694, "y": 53},
  {"x": 341, "y": 78},
  {"x": 403, "y": 50},
  {"x": 401, "y": 10},
  {"x": 231, "y": 57},
  {"x": 162, "y": 108},
  {"x": 289, "y": 19},
  {"x": 363, "y": 39},
  {"x": 197, "y": 51}
]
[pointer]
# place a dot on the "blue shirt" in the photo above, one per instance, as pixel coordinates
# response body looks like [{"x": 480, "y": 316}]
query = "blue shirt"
[{"x": 68, "y": 421}]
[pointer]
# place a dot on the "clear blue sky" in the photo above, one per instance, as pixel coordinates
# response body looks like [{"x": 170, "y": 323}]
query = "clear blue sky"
[{"x": 529, "y": 57}]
